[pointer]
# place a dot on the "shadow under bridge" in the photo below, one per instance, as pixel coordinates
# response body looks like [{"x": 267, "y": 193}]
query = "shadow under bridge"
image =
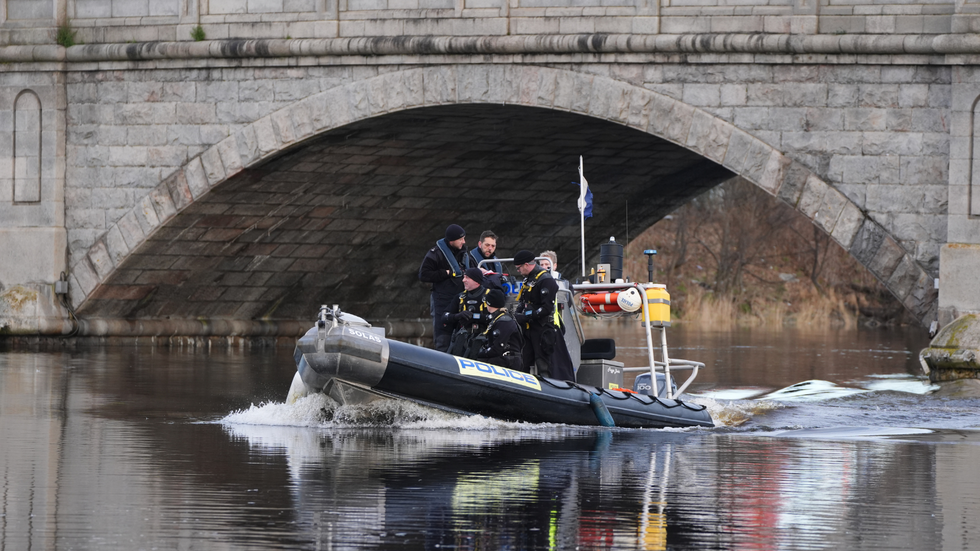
[{"x": 346, "y": 217}]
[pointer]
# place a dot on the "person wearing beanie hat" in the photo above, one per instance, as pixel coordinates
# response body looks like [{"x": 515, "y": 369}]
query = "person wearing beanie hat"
[
  {"x": 475, "y": 274},
  {"x": 443, "y": 267},
  {"x": 537, "y": 313},
  {"x": 523, "y": 257},
  {"x": 468, "y": 314},
  {"x": 455, "y": 232},
  {"x": 504, "y": 339},
  {"x": 496, "y": 299}
]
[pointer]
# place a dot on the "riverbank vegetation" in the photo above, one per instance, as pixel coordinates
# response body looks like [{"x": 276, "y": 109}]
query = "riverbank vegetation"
[{"x": 738, "y": 256}]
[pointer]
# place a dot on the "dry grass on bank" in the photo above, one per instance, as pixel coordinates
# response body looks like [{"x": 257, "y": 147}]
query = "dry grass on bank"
[{"x": 737, "y": 256}]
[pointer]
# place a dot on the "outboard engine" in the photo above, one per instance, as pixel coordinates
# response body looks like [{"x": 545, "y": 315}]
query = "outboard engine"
[{"x": 340, "y": 346}]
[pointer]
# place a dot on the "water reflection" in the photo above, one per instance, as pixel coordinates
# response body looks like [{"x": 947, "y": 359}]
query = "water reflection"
[{"x": 126, "y": 449}]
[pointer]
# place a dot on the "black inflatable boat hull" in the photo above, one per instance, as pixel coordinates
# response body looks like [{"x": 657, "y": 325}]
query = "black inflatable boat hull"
[{"x": 328, "y": 356}]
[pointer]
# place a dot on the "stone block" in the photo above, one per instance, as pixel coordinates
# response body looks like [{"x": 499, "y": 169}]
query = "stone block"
[
  {"x": 473, "y": 84},
  {"x": 266, "y": 136},
  {"x": 214, "y": 170},
  {"x": 610, "y": 100},
  {"x": 739, "y": 144},
  {"x": 131, "y": 230},
  {"x": 179, "y": 190},
  {"x": 126, "y": 156},
  {"x": 923, "y": 170},
  {"x": 756, "y": 160},
  {"x": 228, "y": 153},
  {"x": 886, "y": 259},
  {"x": 702, "y": 95},
  {"x": 962, "y": 229},
  {"x": 774, "y": 172},
  {"x": 404, "y": 89},
  {"x": 904, "y": 278},
  {"x": 146, "y": 215},
  {"x": 959, "y": 264},
  {"x": 865, "y": 119},
  {"x": 573, "y": 91},
  {"x": 196, "y": 178},
  {"x": 733, "y": 94},
  {"x": 282, "y": 124},
  {"x": 830, "y": 209},
  {"x": 812, "y": 196},
  {"x": 115, "y": 245},
  {"x": 538, "y": 86},
  {"x": 439, "y": 85},
  {"x": 640, "y": 108},
  {"x": 678, "y": 122},
  {"x": 848, "y": 223},
  {"x": 794, "y": 179},
  {"x": 162, "y": 202},
  {"x": 710, "y": 136},
  {"x": 84, "y": 278},
  {"x": 100, "y": 260},
  {"x": 856, "y": 169}
]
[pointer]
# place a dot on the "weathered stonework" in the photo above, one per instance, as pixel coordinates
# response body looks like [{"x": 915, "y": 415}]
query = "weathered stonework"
[{"x": 866, "y": 134}]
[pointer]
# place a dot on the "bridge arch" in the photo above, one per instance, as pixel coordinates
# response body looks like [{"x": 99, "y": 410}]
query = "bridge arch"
[{"x": 731, "y": 150}]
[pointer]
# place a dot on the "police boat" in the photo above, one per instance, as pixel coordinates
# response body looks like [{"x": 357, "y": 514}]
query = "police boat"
[{"x": 346, "y": 358}]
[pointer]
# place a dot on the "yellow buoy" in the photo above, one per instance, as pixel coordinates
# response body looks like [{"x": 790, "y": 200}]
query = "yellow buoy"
[{"x": 658, "y": 306}]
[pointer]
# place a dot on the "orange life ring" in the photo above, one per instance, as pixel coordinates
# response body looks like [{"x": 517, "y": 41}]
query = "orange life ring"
[{"x": 600, "y": 303}]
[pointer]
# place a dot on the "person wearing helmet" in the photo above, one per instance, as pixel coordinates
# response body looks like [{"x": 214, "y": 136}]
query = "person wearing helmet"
[{"x": 443, "y": 268}]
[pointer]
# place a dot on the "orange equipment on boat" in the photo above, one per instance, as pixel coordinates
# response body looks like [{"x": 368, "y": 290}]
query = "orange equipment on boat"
[{"x": 600, "y": 303}]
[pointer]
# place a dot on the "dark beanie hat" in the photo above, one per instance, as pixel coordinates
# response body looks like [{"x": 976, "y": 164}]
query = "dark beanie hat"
[
  {"x": 454, "y": 232},
  {"x": 523, "y": 257},
  {"x": 475, "y": 274},
  {"x": 496, "y": 298}
]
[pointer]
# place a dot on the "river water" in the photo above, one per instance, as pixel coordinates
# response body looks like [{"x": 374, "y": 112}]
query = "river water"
[{"x": 825, "y": 441}]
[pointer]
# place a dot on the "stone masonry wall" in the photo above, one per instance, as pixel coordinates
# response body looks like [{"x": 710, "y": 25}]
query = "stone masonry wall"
[
  {"x": 878, "y": 134},
  {"x": 121, "y": 21}
]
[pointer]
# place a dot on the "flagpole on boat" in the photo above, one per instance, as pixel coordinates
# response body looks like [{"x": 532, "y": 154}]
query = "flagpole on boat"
[{"x": 583, "y": 189}]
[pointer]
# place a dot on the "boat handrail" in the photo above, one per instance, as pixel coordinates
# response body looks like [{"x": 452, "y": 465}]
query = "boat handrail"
[
  {"x": 503, "y": 261},
  {"x": 645, "y": 312},
  {"x": 675, "y": 364}
]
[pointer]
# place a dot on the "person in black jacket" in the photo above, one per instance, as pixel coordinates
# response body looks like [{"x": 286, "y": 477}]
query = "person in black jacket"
[
  {"x": 469, "y": 310},
  {"x": 443, "y": 268},
  {"x": 504, "y": 339},
  {"x": 537, "y": 313}
]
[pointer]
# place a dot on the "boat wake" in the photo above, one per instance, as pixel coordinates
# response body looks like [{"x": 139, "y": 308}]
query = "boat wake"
[{"x": 319, "y": 411}]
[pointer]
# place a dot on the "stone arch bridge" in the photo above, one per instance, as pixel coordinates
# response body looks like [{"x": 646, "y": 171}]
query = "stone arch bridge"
[{"x": 231, "y": 187}]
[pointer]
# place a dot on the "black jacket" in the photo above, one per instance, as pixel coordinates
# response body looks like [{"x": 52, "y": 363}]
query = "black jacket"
[
  {"x": 536, "y": 305},
  {"x": 469, "y": 310},
  {"x": 503, "y": 335},
  {"x": 433, "y": 270}
]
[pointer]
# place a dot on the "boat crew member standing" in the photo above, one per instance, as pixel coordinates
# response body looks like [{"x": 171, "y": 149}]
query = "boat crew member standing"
[
  {"x": 442, "y": 267},
  {"x": 485, "y": 250},
  {"x": 504, "y": 339},
  {"x": 537, "y": 313}
]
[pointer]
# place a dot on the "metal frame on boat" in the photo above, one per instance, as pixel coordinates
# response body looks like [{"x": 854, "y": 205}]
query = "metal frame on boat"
[{"x": 664, "y": 366}]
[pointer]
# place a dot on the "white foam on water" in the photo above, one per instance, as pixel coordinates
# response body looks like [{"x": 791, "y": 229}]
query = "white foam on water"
[
  {"x": 319, "y": 411},
  {"x": 814, "y": 390},
  {"x": 733, "y": 414},
  {"x": 305, "y": 412},
  {"x": 850, "y": 433}
]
